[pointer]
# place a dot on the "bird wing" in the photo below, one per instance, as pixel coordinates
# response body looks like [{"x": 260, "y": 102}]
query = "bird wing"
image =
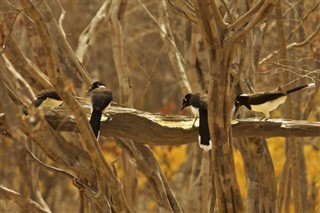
[
  {"x": 200, "y": 101},
  {"x": 260, "y": 98},
  {"x": 101, "y": 99},
  {"x": 45, "y": 94},
  {"x": 49, "y": 93},
  {"x": 36, "y": 103}
]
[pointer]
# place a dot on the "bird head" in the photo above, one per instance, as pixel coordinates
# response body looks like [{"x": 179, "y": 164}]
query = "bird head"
[
  {"x": 186, "y": 101},
  {"x": 237, "y": 104},
  {"x": 96, "y": 85},
  {"x": 240, "y": 100}
]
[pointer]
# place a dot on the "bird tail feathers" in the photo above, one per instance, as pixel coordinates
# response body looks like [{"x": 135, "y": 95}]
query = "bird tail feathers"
[
  {"x": 300, "y": 88},
  {"x": 95, "y": 122},
  {"x": 204, "y": 134}
]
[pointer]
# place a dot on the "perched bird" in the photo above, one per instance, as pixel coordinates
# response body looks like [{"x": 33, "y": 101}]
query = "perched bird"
[
  {"x": 266, "y": 101},
  {"x": 199, "y": 103},
  {"x": 47, "y": 98},
  {"x": 100, "y": 99}
]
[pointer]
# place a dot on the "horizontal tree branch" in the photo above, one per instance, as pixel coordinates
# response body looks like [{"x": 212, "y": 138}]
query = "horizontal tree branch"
[{"x": 157, "y": 129}]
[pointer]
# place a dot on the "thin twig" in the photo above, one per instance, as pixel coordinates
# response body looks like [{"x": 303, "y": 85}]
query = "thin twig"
[
  {"x": 292, "y": 7},
  {"x": 161, "y": 30},
  {"x": 292, "y": 45},
  {"x": 76, "y": 180},
  {"x": 4, "y": 45},
  {"x": 302, "y": 20},
  {"x": 52, "y": 168},
  {"x": 185, "y": 8},
  {"x": 22, "y": 201},
  {"x": 61, "y": 18}
]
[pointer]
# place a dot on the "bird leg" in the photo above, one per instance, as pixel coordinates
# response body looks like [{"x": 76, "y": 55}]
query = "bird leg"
[
  {"x": 266, "y": 116},
  {"x": 194, "y": 122}
]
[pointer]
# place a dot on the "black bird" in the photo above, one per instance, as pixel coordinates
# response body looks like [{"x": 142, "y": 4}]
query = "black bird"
[
  {"x": 100, "y": 99},
  {"x": 265, "y": 101},
  {"x": 47, "y": 98},
  {"x": 199, "y": 101}
]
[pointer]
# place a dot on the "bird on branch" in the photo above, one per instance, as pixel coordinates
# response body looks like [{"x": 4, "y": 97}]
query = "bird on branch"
[
  {"x": 101, "y": 97},
  {"x": 47, "y": 98},
  {"x": 265, "y": 102},
  {"x": 199, "y": 106}
]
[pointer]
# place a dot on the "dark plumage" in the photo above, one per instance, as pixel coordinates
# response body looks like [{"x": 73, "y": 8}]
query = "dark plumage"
[
  {"x": 47, "y": 98},
  {"x": 199, "y": 101},
  {"x": 100, "y": 99}
]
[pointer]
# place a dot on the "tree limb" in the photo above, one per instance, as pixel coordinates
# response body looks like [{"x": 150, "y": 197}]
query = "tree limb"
[
  {"x": 23, "y": 65},
  {"x": 88, "y": 37},
  {"x": 151, "y": 128},
  {"x": 28, "y": 204},
  {"x": 175, "y": 57},
  {"x": 249, "y": 20},
  {"x": 47, "y": 27},
  {"x": 149, "y": 166}
]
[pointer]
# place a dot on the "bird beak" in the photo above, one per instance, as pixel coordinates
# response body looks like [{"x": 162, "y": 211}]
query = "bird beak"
[
  {"x": 184, "y": 106},
  {"x": 89, "y": 90}
]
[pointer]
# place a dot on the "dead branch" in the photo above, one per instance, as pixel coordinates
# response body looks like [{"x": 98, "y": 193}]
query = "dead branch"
[
  {"x": 57, "y": 72},
  {"x": 83, "y": 186},
  {"x": 151, "y": 128},
  {"x": 14, "y": 80},
  {"x": 7, "y": 32},
  {"x": 88, "y": 37},
  {"x": 311, "y": 103},
  {"x": 72, "y": 67},
  {"x": 119, "y": 50},
  {"x": 249, "y": 20},
  {"x": 185, "y": 8},
  {"x": 303, "y": 19},
  {"x": 292, "y": 45},
  {"x": 150, "y": 167},
  {"x": 161, "y": 29},
  {"x": 175, "y": 57},
  {"x": 27, "y": 204},
  {"x": 58, "y": 149},
  {"x": 25, "y": 67}
]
